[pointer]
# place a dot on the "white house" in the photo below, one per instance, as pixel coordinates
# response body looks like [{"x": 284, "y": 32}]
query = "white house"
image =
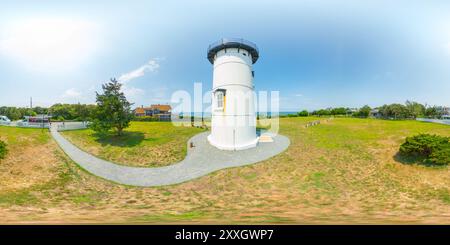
[{"x": 233, "y": 121}]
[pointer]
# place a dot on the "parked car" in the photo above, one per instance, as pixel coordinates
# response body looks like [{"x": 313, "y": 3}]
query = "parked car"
[{"x": 4, "y": 120}]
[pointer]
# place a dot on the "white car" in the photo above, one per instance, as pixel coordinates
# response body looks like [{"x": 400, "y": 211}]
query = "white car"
[{"x": 4, "y": 120}]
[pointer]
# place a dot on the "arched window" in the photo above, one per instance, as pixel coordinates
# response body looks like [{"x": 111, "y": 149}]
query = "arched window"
[{"x": 219, "y": 96}]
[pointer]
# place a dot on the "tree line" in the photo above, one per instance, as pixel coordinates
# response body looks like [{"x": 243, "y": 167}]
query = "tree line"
[
  {"x": 60, "y": 112},
  {"x": 87, "y": 112},
  {"x": 112, "y": 111},
  {"x": 409, "y": 110}
]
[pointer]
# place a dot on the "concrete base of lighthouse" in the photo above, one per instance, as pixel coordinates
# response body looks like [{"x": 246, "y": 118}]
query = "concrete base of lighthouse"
[
  {"x": 233, "y": 132},
  {"x": 244, "y": 146}
]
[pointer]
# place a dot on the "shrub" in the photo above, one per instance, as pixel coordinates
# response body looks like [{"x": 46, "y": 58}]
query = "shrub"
[
  {"x": 303, "y": 113},
  {"x": 145, "y": 119},
  {"x": 441, "y": 156},
  {"x": 3, "y": 149},
  {"x": 434, "y": 149}
]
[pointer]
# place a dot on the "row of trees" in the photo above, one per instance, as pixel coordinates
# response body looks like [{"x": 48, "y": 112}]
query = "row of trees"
[
  {"x": 112, "y": 111},
  {"x": 410, "y": 110},
  {"x": 79, "y": 112},
  {"x": 16, "y": 113},
  {"x": 338, "y": 111}
]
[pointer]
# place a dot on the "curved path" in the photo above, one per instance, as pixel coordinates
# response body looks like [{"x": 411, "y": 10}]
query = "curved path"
[{"x": 200, "y": 160}]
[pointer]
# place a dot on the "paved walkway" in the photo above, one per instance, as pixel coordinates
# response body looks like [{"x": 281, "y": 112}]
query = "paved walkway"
[
  {"x": 200, "y": 160},
  {"x": 443, "y": 121}
]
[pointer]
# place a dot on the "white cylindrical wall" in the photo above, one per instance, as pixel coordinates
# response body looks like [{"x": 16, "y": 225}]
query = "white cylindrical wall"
[{"x": 233, "y": 126}]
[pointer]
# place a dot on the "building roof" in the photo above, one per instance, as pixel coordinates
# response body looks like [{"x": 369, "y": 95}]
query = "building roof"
[
  {"x": 141, "y": 110},
  {"x": 233, "y": 43},
  {"x": 161, "y": 107}
]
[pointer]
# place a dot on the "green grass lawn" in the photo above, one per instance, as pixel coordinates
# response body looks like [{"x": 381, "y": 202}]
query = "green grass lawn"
[
  {"x": 147, "y": 144},
  {"x": 344, "y": 170}
]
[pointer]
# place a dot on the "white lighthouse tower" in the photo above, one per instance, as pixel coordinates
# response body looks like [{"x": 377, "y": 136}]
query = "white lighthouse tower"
[{"x": 233, "y": 122}]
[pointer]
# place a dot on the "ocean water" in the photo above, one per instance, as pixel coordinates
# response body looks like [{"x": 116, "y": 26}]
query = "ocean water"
[{"x": 208, "y": 114}]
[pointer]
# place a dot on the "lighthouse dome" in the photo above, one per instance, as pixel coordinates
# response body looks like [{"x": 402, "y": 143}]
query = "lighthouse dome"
[{"x": 238, "y": 43}]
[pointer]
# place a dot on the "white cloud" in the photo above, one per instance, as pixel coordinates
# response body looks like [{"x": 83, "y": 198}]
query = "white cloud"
[
  {"x": 71, "y": 93},
  {"x": 74, "y": 95},
  {"x": 132, "y": 91},
  {"x": 298, "y": 95},
  {"x": 158, "y": 94},
  {"x": 49, "y": 44},
  {"x": 151, "y": 66}
]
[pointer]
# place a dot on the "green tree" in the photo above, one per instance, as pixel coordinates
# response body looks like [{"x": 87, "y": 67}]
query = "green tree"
[
  {"x": 399, "y": 111},
  {"x": 113, "y": 109},
  {"x": 414, "y": 109},
  {"x": 30, "y": 112},
  {"x": 322, "y": 112},
  {"x": 434, "y": 111},
  {"x": 363, "y": 111},
  {"x": 62, "y": 111},
  {"x": 303, "y": 113},
  {"x": 12, "y": 113},
  {"x": 394, "y": 111},
  {"x": 40, "y": 110},
  {"x": 339, "y": 111},
  {"x": 82, "y": 112}
]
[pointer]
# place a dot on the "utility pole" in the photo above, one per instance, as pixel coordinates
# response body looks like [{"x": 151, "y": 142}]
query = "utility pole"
[{"x": 31, "y": 102}]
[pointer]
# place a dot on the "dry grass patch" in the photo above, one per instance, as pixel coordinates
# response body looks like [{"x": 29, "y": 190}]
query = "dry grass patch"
[{"x": 31, "y": 159}]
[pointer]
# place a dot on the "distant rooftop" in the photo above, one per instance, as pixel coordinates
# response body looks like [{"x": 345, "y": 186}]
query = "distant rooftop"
[
  {"x": 160, "y": 107},
  {"x": 233, "y": 43}
]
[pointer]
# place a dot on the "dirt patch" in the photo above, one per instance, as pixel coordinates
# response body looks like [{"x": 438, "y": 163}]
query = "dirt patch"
[{"x": 30, "y": 165}]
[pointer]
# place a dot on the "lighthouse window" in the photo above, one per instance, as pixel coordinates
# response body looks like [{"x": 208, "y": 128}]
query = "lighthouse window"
[{"x": 219, "y": 99}]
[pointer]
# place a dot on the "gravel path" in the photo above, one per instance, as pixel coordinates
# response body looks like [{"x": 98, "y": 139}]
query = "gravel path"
[{"x": 200, "y": 160}]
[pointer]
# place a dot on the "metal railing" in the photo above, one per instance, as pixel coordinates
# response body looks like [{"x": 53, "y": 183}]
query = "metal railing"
[
  {"x": 71, "y": 125},
  {"x": 224, "y": 41}
]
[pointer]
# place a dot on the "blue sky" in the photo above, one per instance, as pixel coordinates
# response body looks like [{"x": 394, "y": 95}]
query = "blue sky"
[{"x": 316, "y": 53}]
